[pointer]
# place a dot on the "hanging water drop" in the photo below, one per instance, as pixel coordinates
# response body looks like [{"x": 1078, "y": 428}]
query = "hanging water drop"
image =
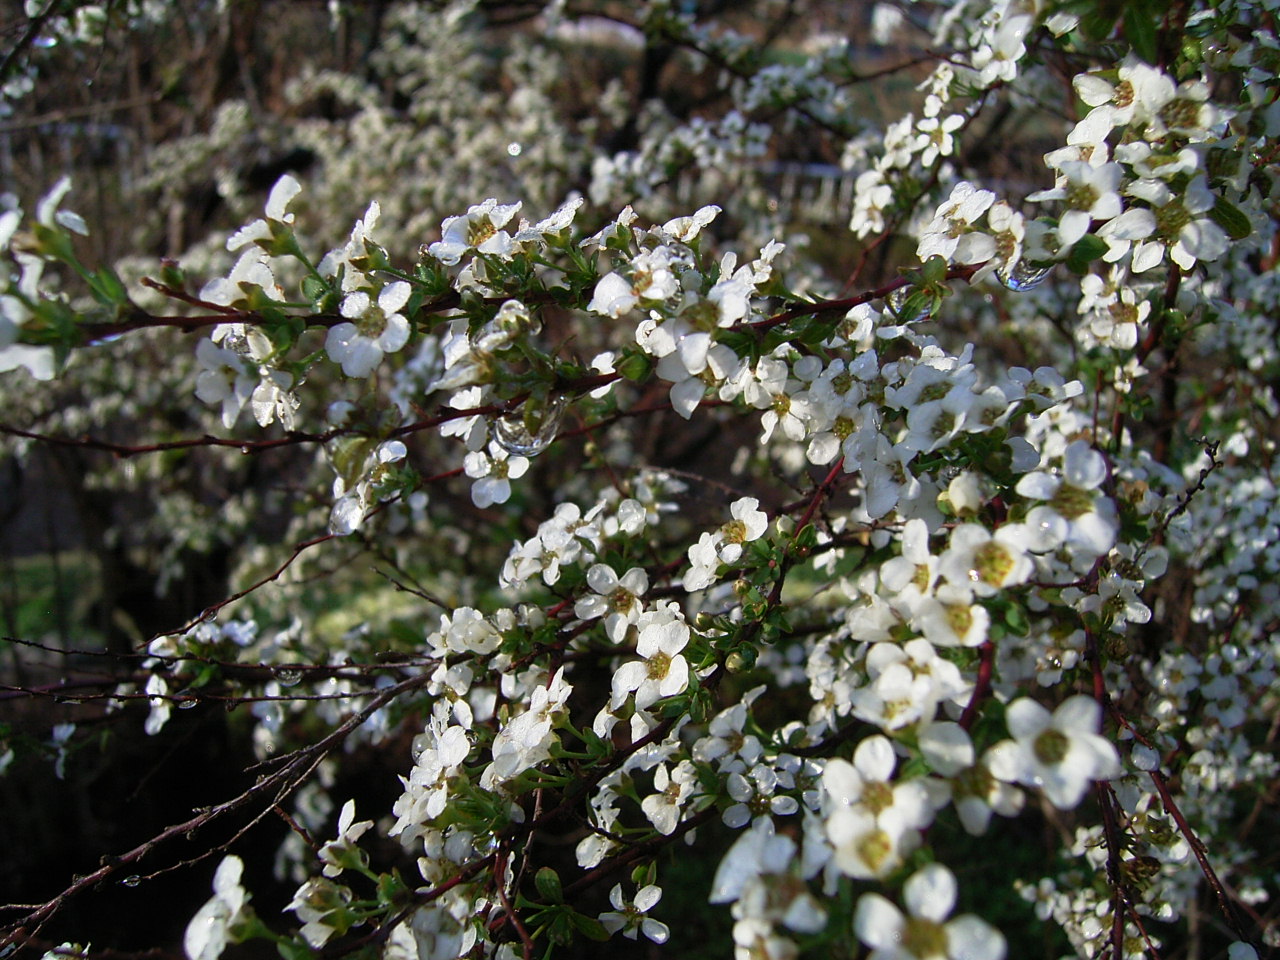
[
  {"x": 526, "y": 431},
  {"x": 1023, "y": 276},
  {"x": 897, "y": 299},
  {"x": 288, "y": 676},
  {"x": 132, "y": 880}
]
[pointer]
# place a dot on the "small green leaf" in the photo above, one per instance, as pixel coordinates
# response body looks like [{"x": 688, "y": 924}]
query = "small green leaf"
[
  {"x": 548, "y": 883},
  {"x": 590, "y": 927},
  {"x": 313, "y": 288},
  {"x": 1231, "y": 219},
  {"x": 636, "y": 367},
  {"x": 807, "y": 537},
  {"x": 292, "y": 950},
  {"x": 934, "y": 270},
  {"x": 108, "y": 289},
  {"x": 1086, "y": 250}
]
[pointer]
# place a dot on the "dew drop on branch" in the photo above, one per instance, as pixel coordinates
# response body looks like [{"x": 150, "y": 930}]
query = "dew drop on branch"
[
  {"x": 1023, "y": 276},
  {"x": 512, "y": 432},
  {"x": 288, "y": 676}
]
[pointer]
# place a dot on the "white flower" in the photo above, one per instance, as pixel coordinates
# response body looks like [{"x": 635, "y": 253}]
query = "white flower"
[
  {"x": 671, "y": 790},
  {"x": 1061, "y": 753},
  {"x": 48, "y": 214},
  {"x": 616, "y": 598},
  {"x": 663, "y": 672},
  {"x": 1089, "y": 192},
  {"x": 748, "y": 523},
  {"x": 923, "y": 933},
  {"x": 261, "y": 231},
  {"x": 865, "y": 845},
  {"x": 493, "y": 472},
  {"x": 378, "y": 329},
  {"x": 321, "y": 906},
  {"x": 343, "y": 852},
  {"x": 867, "y": 783},
  {"x": 986, "y": 562},
  {"x": 630, "y": 917},
  {"x": 975, "y": 791},
  {"x": 1074, "y": 512},
  {"x": 211, "y": 929},
  {"x": 1182, "y": 225},
  {"x": 480, "y": 229}
]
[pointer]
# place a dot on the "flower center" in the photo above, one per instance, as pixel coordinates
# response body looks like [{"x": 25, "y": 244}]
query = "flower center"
[
  {"x": 959, "y": 618},
  {"x": 877, "y": 796},
  {"x": 934, "y": 391},
  {"x": 1122, "y": 312},
  {"x": 478, "y": 231},
  {"x": 1071, "y": 502},
  {"x": 874, "y": 848},
  {"x": 1082, "y": 196},
  {"x": 1181, "y": 114},
  {"x": 659, "y": 664},
  {"x": 1123, "y": 96},
  {"x": 924, "y": 938},
  {"x": 372, "y": 323},
  {"x": 1051, "y": 747},
  {"x": 1170, "y": 219},
  {"x": 974, "y": 782},
  {"x": 992, "y": 563}
]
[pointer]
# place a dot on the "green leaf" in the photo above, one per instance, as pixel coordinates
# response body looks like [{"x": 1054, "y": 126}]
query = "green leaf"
[
  {"x": 108, "y": 289},
  {"x": 548, "y": 883},
  {"x": 1140, "y": 29},
  {"x": 590, "y": 927},
  {"x": 1086, "y": 250},
  {"x": 636, "y": 367},
  {"x": 313, "y": 288},
  {"x": 292, "y": 950},
  {"x": 934, "y": 270},
  {"x": 1231, "y": 219}
]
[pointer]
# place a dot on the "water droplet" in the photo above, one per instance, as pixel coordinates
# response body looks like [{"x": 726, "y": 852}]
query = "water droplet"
[
  {"x": 513, "y": 434},
  {"x": 236, "y": 343},
  {"x": 45, "y": 42},
  {"x": 897, "y": 299},
  {"x": 132, "y": 880},
  {"x": 288, "y": 676},
  {"x": 514, "y": 149},
  {"x": 1023, "y": 276}
]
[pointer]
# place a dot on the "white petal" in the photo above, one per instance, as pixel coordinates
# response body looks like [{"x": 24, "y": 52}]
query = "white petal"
[
  {"x": 877, "y": 922},
  {"x": 930, "y": 892},
  {"x": 969, "y": 938},
  {"x": 1026, "y": 718},
  {"x": 874, "y": 758}
]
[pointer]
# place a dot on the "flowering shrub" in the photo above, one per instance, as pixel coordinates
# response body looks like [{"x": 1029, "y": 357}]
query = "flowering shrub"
[{"x": 700, "y": 533}]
